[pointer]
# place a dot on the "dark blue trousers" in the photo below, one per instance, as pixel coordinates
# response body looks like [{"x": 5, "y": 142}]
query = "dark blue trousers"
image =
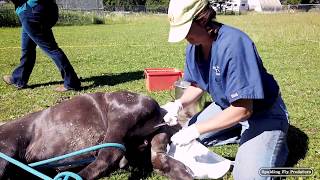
[{"x": 36, "y": 30}]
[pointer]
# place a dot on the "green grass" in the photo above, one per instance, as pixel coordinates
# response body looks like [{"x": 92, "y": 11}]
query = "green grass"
[{"x": 112, "y": 57}]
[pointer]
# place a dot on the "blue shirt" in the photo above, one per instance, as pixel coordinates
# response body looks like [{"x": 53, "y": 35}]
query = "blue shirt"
[
  {"x": 234, "y": 71},
  {"x": 21, "y": 8}
]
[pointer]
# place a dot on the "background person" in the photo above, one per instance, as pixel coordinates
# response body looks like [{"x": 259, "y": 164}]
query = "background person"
[
  {"x": 37, "y": 17},
  {"x": 224, "y": 61}
]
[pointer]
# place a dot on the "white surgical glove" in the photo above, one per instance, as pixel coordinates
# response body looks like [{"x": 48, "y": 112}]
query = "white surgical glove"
[
  {"x": 185, "y": 135},
  {"x": 172, "y": 109}
]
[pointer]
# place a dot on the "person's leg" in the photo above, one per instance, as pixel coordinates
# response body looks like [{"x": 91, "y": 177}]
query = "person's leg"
[
  {"x": 269, "y": 149},
  {"x": 21, "y": 74},
  {"x": 227, "y": 136},
  {"x": 263, "y": 144},
  {"x": 38, "y": 26},
  {"x": 71, "y": 80}
]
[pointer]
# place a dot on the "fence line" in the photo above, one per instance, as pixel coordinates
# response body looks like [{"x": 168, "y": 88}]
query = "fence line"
[
  {"x": 283, "y": 8},
  {"x": 301, "y": 8},
  {"x": 164, "y": 9}
]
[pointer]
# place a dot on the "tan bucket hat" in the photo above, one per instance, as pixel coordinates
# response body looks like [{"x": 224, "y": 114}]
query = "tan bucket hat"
[{"x": 180, "y": 15}]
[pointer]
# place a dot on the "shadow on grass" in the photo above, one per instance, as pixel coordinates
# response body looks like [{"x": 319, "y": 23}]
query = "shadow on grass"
[
  {"x": 298, "y": 145},
  {"x": 140, "y": 174},
  {"x": 112, "y": 79},
  {"x": 32, "y": 86},
  {"x": 102, "y": 80}
]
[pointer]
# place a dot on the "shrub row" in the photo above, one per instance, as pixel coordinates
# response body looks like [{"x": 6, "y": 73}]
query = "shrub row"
[
  {"x": 8, "y": 18},
  {"x": 79, "y": 18}
]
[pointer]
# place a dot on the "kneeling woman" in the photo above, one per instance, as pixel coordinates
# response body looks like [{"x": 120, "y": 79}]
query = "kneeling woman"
[{"x": 224, "y": 62}]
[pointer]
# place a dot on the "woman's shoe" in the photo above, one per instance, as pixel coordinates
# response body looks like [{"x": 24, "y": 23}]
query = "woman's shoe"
[
  {"x": 8, "y": 80},
  {"x": 61, "y": 88}
]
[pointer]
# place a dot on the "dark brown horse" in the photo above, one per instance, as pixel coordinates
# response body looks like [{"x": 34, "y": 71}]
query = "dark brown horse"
[{"x": 121, "y": 117}]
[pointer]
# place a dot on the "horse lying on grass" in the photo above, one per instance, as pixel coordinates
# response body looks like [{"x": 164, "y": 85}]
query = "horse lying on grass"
[{"x": 126, "y": 118}]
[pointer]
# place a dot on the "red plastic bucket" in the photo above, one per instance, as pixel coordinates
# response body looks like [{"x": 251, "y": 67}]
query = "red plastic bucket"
[{"x": 158, "y": 79}]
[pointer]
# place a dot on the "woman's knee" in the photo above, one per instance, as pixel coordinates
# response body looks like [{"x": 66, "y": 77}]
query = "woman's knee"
[{"x": 267, "y": 150}]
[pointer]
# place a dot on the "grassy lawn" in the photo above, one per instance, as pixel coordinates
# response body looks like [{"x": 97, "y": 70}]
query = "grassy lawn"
[{"x": 112, "y": 57}]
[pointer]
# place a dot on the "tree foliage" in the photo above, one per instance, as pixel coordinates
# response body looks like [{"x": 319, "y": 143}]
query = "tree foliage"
[
  {"x": 157, "y": 3},
  {"x": 300, "y": 1},
  {"x": 124, "y": 2},
  {"x": 136, "y": 2}
]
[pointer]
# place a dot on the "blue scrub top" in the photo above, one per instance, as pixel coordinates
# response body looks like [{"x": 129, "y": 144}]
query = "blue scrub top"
[{"x": 234, "y": 71}]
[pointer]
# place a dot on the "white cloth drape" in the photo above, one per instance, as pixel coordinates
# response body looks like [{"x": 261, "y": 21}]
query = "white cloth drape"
[{"x": 202, "y": 162}]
